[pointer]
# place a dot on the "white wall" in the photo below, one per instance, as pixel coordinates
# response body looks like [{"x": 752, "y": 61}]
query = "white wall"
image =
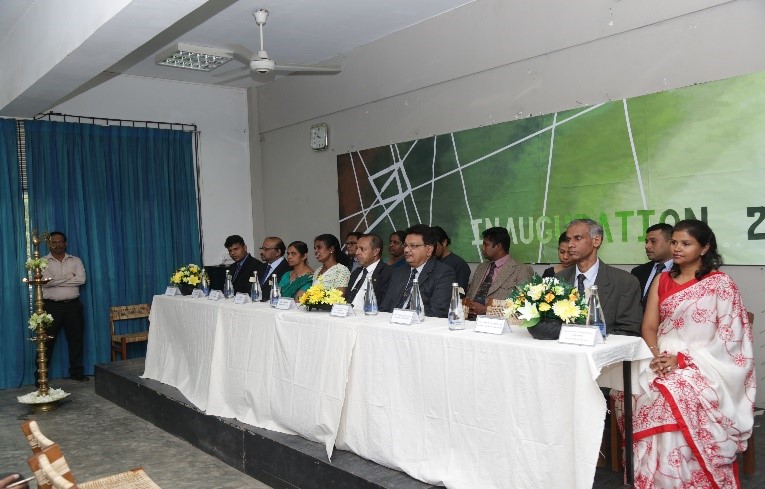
[
  {"x": 493, "y": 61},
  {"x": 221, "y": 116}
]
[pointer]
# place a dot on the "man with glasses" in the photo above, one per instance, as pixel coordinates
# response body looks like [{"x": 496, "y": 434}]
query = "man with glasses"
[
  {"x": 272, "y": 254},
  {"x": 495, "y": 278},
  {"x": 244, "y": 264},
  {"x": 434, "y": 278}
]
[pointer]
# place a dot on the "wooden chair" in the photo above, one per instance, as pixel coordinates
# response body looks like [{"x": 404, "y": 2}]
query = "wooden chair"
[
  {"x": 36, "y": 439},
  {"x": 121, "y": 340},
  {"x": 51, "y": 470}
]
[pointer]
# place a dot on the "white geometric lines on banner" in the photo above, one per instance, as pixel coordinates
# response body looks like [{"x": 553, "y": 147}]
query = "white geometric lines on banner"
[
  {"x": 405, "y": 176},
  {"x": 506, "y": 147},
  {"x": 547, "y": 184},
  {"x": 358, "y": 191},
  {"x": 432, "y": 181},
  {"x": 378, "y": 196},
  {"x": 464, "y": 191},
  {"x": 634, "y": 154}
]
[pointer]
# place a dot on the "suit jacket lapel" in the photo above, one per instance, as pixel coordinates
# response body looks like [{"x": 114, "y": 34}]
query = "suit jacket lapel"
[
  {"x": 503, "y": 275},
  {"x": 425, "y": 273},
  {"x": 603, "y": 281}
]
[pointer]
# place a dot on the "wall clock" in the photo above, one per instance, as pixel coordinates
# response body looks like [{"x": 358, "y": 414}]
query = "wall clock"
[{"x": 319, "y": 137}]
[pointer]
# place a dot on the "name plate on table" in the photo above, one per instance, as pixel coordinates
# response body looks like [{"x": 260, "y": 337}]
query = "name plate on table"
[
  {"x": 580, "y": 335},
  {"x": 197, "y": 293},
  {"x": 215, "y": 295},
  {"x": 172, "y": 291},
  {"x": 285, "y": 303},
  {"x": 241, "y": 298},
  {"x": 341, "y": 310},
  {"x": 404, "y": 316},
  {"x": 491, "y": 325}
]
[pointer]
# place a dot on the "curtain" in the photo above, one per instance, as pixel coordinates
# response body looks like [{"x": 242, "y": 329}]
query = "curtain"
[
  {"x": 126, "y": 200},
  {"x": 15, "y": 352}
]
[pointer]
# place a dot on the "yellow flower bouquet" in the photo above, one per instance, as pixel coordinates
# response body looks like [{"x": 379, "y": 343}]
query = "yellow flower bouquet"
[
  {"x": 546, "y": 302},
  {"x": 187, "y": 278},
  {"x": 318, "y": 297}
]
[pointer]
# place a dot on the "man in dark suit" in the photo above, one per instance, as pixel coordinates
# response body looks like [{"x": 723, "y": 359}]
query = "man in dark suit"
[
  {"x": 618, "y": 290},
  {"x": 272, "y": 254},
  {"x": 244, "y": 264},
  {"x": 657, "y": 250},
  {"x": 434, "y": 278},
  {"x": 368, "y": 254}
]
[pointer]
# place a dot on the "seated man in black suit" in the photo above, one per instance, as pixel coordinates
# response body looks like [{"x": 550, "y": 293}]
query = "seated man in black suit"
[
  {"x": 657, "y": 250},
  {"x": 272, "y": 254},
  {"x": 619, "y": 291},
  {"x": 434, "y": 278},
  {"x": 244, "y": 264},
  {"x": 368, "y": 254}
]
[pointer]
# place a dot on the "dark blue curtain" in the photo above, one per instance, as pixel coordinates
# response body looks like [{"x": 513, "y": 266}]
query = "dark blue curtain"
[
  {"x": 15, "y": 352},
  {"x": 126, "y": 199}
]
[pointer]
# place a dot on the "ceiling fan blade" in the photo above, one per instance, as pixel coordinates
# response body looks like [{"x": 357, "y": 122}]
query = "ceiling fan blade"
[
  {"x": 236, "y": 78},
  {"x": 307, "y": 69},
  {"x": 243, "y": 69},
  {"x": 242, "y": 54}
]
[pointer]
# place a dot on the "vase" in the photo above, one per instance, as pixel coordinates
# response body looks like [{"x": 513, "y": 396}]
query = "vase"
[
  {"x": 546, "y": 330},
  {"x": 319, "y": 307},
  {"x": 186, "y": 289}
]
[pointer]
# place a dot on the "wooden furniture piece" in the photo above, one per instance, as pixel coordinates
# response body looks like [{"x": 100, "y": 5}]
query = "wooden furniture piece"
[
  {"x": 121, "y": 340},
  {"x": 51, "y": 470},
  {"x": 36, "y": 439}
]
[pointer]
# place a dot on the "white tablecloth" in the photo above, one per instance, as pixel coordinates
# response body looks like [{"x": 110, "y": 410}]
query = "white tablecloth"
[
  {"x": 458, "y": 408},
  {"x": 284, "y": 371}
]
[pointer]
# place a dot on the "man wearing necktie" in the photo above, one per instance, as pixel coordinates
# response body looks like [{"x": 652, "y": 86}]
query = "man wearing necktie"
[
  {"x": 368, "y": 254},
  {"x": 434, "y": 278},
  {"x": 659, "y": 253},
  {"x": 244, "y": 264},
  {"x": 619, "y": 291},
  {"x": 272, "y": 254},
  {"x": 495, "y": 278}
]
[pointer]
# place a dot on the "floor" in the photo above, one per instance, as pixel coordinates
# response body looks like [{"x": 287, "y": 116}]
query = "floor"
[{"x": 99, "y": 438}]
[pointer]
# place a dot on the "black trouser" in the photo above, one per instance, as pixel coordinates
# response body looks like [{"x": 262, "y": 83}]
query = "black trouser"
[{"x": 67, "y": 316}]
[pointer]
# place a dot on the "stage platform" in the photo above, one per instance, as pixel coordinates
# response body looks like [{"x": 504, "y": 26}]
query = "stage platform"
[{"x": 279, "y": 460}]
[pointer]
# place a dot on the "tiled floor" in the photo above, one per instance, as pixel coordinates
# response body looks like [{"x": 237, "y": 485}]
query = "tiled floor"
[{"x": 99, "y": 438}]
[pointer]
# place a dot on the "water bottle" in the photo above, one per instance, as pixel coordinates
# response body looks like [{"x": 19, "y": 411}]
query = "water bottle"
[
  {"x": 205, "y": 283},
  {"x": 370, "y": 301},
  {"x": 228, "y": 286},
  {"x": 595, "y": 311},
  {"x": 275, "y": 292},
  {"x": 255, "y": 292},
  {"x": 415, "y": 301},
  {"x": 456, "y": 312}
]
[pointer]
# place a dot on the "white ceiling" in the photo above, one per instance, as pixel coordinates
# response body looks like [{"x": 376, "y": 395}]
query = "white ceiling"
[{"x": 297, "y": 32}]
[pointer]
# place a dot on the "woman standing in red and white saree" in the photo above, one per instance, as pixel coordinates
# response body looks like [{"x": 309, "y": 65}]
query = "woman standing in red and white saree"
[{"x": 694, "y": 407}]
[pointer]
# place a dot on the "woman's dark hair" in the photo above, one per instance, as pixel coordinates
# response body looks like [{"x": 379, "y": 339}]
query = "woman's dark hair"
[
  {"x": 301, "y": 247},
  {"x": 701, "y": 232},
  {"x": 562, "y": 238},
  {"x": 330, "y": 241}
]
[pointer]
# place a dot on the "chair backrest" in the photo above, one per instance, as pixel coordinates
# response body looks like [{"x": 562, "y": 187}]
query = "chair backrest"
[
  {"x": 135, "y": 311},
  {"x": 51, "y": 470},
  {"x": 36, "y": 439}
]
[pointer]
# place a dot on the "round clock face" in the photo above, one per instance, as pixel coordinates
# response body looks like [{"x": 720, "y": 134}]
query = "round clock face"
[{"x": 319, "y": 136}]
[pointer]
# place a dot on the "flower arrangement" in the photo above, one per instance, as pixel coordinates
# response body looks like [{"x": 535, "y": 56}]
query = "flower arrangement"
[
  {"x": 34, "y": 263},
  {"x": 317, "y": 294},
  {"x": 546, "y": 299},
  {"x": 190, "y": 274},
  {"x": 36, "y": 320}
]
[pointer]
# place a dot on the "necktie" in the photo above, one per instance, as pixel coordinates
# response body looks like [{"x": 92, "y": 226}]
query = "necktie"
[
  {"x": 407, "y": 290},
  {"x": 264, "y": 278},
  {"x": 238, "y": 269},
  {"x": 483, "y": 289},
  {"x": 580, "y": 284},
  {"x": 659, "y": 267},
  {"x": 357, "y": 287}
]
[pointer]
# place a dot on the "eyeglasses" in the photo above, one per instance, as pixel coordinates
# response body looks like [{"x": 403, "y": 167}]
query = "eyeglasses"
[
  {"x": 412, "y": 246},
  {"x": 264, "y": 249}
]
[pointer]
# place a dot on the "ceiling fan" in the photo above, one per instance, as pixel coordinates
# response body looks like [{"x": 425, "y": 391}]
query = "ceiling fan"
[{"x": 260, "y": 67}]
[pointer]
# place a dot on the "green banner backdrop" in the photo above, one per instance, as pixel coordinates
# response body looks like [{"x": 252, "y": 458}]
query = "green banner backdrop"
[{"x": 691, "y": 152}]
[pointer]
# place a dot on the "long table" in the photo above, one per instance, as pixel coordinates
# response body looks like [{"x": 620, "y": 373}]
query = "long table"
[{"x": 458, "y": 408}]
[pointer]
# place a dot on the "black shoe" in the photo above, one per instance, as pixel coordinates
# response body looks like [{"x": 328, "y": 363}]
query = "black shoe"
[{"x": 81, "y": 378}]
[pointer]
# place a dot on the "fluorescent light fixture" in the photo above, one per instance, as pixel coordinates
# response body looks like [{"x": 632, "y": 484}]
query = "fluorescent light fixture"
[{"x": 189, "y": 56}]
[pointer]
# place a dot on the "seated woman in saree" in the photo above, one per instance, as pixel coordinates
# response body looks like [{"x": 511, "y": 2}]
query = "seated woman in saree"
[
  {"x": 300, "y": 276},
  {"x": 335, "y": 265},
  {"x": 693, "y": 407}
]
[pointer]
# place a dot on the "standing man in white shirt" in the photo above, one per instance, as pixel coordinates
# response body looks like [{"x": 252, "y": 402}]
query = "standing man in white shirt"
[{"x": 62, "y": 300}]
